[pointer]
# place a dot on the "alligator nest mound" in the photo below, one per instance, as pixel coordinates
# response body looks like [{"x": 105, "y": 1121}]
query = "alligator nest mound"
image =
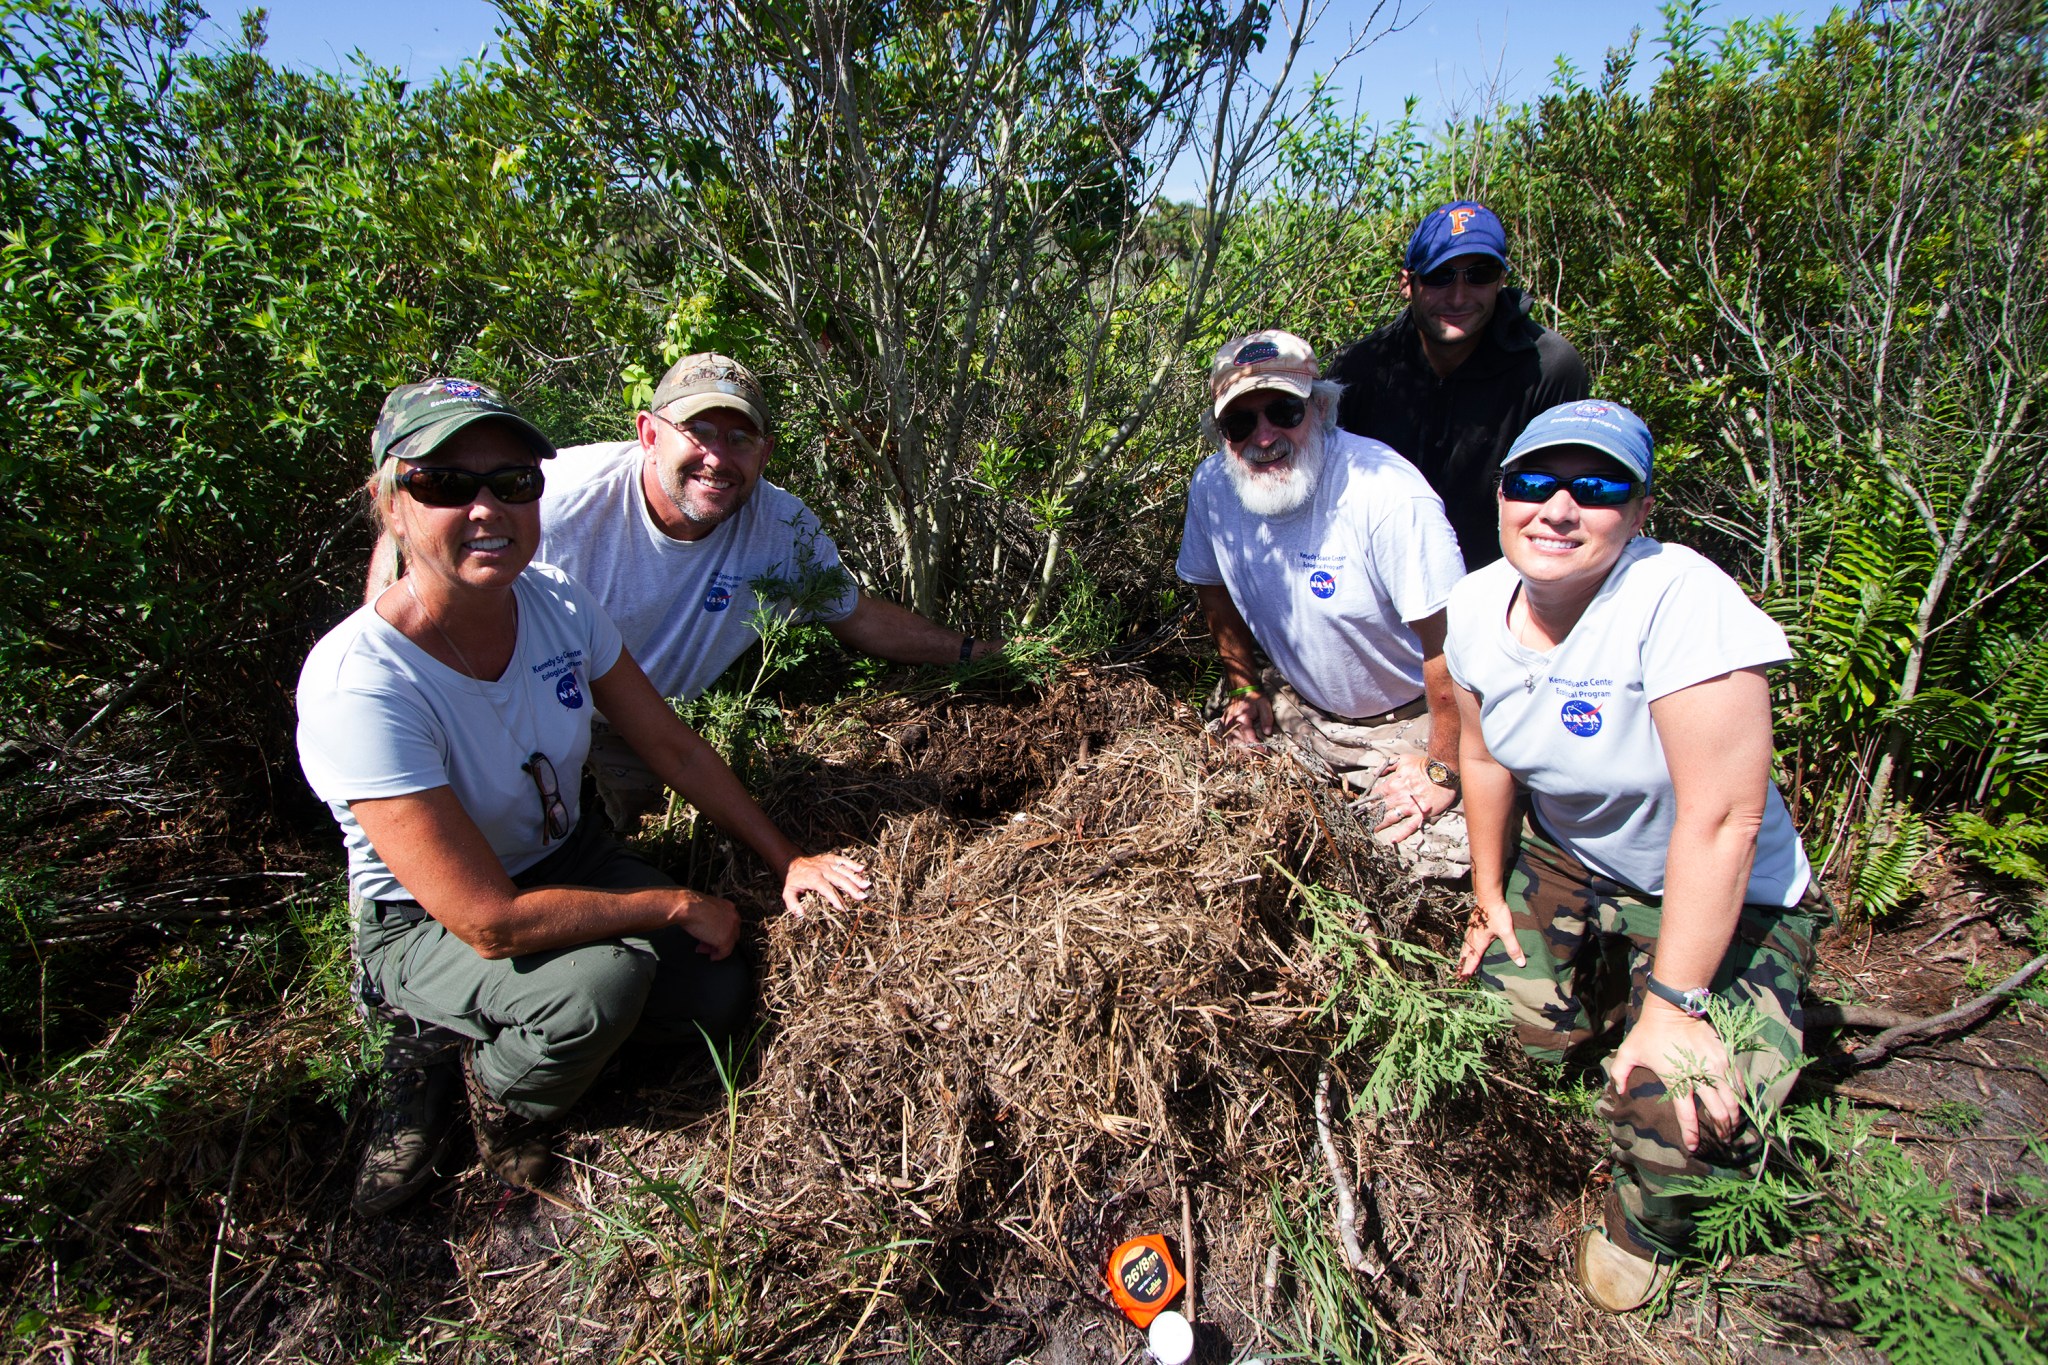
[{"x": 1084, "y": 1011}]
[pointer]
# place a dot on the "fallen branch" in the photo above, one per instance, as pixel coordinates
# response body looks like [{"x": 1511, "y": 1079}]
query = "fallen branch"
[
  {"x": 1865, "y": 1095},
  {"x": 1825, "y": 1014},
  {"x": 1961, "y": 1017},
  {"x": 1347, "y": 1203},
  {"x": 1969, "y": 917}
]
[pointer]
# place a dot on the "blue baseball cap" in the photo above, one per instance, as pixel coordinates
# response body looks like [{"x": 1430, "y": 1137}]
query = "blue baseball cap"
[
  {"x": 1460, "y": 228},
  {"x": 1609, "y": 428}
]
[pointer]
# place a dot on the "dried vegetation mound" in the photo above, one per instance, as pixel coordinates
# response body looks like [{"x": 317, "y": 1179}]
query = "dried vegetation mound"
[{"x": 1093, "y": 1016}]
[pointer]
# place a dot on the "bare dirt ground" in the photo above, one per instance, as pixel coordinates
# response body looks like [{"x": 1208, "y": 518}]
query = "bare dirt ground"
[{"x": 1081, "y": 1005}]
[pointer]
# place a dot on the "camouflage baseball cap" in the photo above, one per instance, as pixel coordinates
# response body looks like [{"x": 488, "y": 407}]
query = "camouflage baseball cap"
[
  {"x": 698, "y": 383},
  {"x": 417, "y": 418}
]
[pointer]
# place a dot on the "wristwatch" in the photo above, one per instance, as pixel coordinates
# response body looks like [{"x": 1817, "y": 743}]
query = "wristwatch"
[
  {"x": 1693, "y": 1002},
  {"x": 1442, "y": 773}
]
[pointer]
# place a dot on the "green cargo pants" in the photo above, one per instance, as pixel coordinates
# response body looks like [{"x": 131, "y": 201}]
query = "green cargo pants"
[
  {"x": 544, "y": 1024},
  {"x": 1590, "y": 943}
]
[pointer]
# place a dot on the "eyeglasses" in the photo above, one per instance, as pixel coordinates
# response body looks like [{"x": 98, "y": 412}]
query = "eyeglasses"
[
  {"x": 439, "y": 486},
  {"x": 1587, "y": 490},
  {"x": 1478, "y": 275},
  {"x": 743, "y": 442},
  {"x": 1284, "y": 412},
  {"x": 554, "y": 812}
]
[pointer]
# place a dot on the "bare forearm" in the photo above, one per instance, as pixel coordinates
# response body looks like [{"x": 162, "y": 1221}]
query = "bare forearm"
[
  {"x": 1706, "y": 874},
  {"x": 899, "y": 635},
  {"x": 550, "y": 917},
  {"x": 702, "y": 778},
  {"x": 1233, "y": 636},
  {"x": 1489, "y": 803},
  {"x": 1442, "y": 695},
  {"x": 1489, "y": 793}
]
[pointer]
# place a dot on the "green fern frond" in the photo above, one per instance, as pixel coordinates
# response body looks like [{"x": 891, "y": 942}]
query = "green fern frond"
[
  {"x": 2007, "y": 847},
  {"x": 1884, "y": 877}
]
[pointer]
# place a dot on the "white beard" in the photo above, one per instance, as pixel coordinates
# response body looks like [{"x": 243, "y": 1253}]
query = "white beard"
[{"x": 1277, "y": 493}]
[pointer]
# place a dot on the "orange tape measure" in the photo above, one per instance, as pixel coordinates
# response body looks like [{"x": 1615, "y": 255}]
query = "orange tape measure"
[{"x": 1143, "y": 1278}]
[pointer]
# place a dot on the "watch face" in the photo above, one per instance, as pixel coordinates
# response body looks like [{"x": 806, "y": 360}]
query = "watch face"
[{"x": 1439, "y": 772}]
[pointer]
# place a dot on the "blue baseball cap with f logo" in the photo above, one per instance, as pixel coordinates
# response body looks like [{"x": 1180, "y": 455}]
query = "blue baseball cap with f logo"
[{"x": 1462, "y": 227}]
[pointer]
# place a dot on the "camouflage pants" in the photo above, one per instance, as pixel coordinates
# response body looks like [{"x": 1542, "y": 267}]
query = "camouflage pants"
[
  {"x": 1590, "y": 943},
  {"x": 1355, "y": 753}
]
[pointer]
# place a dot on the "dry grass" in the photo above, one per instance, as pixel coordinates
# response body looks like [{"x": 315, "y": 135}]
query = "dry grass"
[{"x": 1080, "y": 1005}]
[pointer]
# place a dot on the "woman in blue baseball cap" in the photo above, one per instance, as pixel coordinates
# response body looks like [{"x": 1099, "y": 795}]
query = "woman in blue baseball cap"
[
  {"x": 1613, "y": 689},
  {"x": 445, "y": 724}
]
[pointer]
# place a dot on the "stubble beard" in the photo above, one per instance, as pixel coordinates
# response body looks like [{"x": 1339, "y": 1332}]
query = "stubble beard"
[
  {"x": 686, "y": 503},
  {"x": 1277, "y": 493}
]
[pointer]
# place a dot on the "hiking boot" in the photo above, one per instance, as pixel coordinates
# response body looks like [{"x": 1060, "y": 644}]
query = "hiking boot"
[
  {"x": 1615, "y": 1277},
  {"x": 415, "y": 1118},
  {"x": 511, "y": 1147}
]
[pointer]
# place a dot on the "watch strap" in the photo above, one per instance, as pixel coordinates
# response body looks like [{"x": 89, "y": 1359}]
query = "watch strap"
[{"x": 1693, "y": 1002}]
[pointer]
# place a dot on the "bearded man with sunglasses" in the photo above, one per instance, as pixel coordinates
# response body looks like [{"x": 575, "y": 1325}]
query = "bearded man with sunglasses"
[
  {"x": 681, "y": 538},
  {"x": 1329, "y": 553},
  {"x": 1454, "y": 379}
]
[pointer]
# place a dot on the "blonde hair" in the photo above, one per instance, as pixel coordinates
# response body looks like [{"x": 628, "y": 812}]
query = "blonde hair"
[{"x": 387, "y": 557}]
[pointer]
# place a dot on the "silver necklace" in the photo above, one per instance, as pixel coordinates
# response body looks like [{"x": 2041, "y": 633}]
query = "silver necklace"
[
  {"x": 554, "y": 813},
  {"x": 470, "y": 671}
]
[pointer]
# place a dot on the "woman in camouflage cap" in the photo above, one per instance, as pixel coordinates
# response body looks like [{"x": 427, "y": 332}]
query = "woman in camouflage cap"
[{"x": 445, "y": 723}]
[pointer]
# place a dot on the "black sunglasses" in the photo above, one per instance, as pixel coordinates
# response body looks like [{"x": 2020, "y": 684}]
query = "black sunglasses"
[
  {"x": 439, "y": 486},
  {"x": 1587, "y": 490},
  {"x": 554, "y": 812},
  {"x": 1284, "y": 412},
  {"x": 1478, "y": 275}
]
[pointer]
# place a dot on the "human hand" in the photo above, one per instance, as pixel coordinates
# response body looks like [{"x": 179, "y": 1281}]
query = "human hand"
[
  {"x": 1491, "y": 919},
  {"x": 1247, "y": 720},
  {"x": 712, "y": 920},
  {"x": 826, "y": 875},
  {"x": 1409, "y": 798},
  {"x": 1692, "y": 1061}
]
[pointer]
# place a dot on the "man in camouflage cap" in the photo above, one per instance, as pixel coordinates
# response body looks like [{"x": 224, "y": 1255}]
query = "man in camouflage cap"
[{"x": 682, "y": 539}]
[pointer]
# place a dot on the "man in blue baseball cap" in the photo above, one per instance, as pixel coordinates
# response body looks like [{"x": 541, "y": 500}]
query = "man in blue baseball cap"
[{"x": 1451, "y": 381}]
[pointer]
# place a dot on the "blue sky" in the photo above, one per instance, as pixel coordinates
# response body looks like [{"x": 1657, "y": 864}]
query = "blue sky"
[{"x": 1445, "y": 54}]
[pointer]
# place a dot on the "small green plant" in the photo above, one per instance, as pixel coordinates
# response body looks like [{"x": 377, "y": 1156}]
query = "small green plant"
[
  {"x": 1926, "y": 1285},
  {"x": 676, "y": 1235},
  {"x": 2011, "y": 848},
  {"x": 1953, "y": 1116},
  {"x": 1328, "y": 1318},
  {"x": 1426, "y": 1036}
]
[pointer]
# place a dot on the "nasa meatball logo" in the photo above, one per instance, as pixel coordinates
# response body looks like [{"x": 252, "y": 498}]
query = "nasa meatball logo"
[
  {"x": 1582, "y": 718},
  {"x": 1323, "y": 583},
  {"x": 568, "y": 693},
  {"x": 718, "y": 599}
]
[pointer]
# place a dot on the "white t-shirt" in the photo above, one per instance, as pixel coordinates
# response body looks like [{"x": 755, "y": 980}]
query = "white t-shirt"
[
  {"x": 682, "y": 606},
  {"x": 379, "y": 716},
  {"x": 1574, "y": 727},
  {"x": 1328, "y": 588}
]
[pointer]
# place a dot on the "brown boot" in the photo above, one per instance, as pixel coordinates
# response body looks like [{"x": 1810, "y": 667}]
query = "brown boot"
[
  {"x": 1614, "y": 1277},
  {"x": 512, "y": 1147},
  {"x": 415, "y": 1113}
]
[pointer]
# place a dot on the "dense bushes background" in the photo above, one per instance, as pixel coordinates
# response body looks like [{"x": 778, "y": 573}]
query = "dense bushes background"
[{"x": 1810, "y": 258}]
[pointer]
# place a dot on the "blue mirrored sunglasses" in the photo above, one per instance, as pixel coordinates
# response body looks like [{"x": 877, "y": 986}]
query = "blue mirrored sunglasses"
[{"x": 1587, "y": 490}]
